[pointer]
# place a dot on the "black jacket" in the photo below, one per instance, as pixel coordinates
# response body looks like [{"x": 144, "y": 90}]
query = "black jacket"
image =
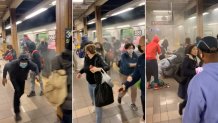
[
  {"x": 18, "y": 73},
  {"x": 94, "y": 78},
  {"x": 188, "y": 72}
]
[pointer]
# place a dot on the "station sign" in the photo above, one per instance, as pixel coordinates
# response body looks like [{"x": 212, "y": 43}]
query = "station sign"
[
  {"x": 68, "y": 33},
  {"x": 161, "y": 23}
]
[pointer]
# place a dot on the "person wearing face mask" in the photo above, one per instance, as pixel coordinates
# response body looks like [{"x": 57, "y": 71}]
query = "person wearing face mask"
[
  {"x": 139, "y": 73},
  {"x": 93, "y": 65},
  {"x": 18, "y": 71},
  {"x": 127, "y": 66}
]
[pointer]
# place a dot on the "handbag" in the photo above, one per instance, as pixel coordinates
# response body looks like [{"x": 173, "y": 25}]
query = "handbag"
[
  {"x": 106, "y": 78},
  {"x": 103, "y": 95},
  {"x": 55, "y": 89}
]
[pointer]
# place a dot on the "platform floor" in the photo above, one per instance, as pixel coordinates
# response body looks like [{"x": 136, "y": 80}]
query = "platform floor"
[
  {"x": 114, "y": 113},
  {"x": 33, "y": 110},
  {"x": 162, "y": 105}
]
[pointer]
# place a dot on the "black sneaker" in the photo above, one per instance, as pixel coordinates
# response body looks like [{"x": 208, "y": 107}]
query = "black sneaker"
[
  {"x": 180, "y": 108},
  {"x": 32, "y": 93},
  {"x": 18, "y": 117},
  {"x": 119, "y": 100}
]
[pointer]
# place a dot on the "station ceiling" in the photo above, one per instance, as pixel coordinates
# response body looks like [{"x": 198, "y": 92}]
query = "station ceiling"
[{"x": 4, "y": 4}]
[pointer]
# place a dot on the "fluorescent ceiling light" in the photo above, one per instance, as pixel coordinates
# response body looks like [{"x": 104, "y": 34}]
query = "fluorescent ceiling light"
[
  {"x": 210, "y": 24},
  {"x": 91, "y": 23},
  {"x": 123, "y": 26},
  {"x": 141, "y": 4},
  {"x": 103, "y": 19},
  {"x": 158, "y": 11},
  {"x": 77, "y": 1},
  {"x": 205, "y": 13},
  {"x": 7, "y": 27},
  {"x": 36, "y": 13},
  {"x": 94, "y": 31},
  {"x": 18, "y": 22},
  {"x": 192, "y": 18},
  {"x": 53, "y": 3},
  {"x": 143, "y": 23},
  {"x": 215, "y": 9},
  {"x": 122, "y": 11},
  {"x": 110, "y": 28}
]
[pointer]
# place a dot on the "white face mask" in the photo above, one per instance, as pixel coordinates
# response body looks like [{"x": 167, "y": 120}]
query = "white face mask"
[{"x": 130, "y": 51}]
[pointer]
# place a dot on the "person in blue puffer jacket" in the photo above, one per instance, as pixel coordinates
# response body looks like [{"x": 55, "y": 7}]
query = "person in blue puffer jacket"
[
  {"x": 139, "y": 73},
  {"x": 127, "y": 66}
]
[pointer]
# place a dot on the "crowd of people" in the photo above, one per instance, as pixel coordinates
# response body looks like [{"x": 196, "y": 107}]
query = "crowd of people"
[{"x": 128, "y": 56}]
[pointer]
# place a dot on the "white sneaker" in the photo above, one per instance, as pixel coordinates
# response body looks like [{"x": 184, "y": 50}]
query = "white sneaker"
[{"x": 92, "y": 109}]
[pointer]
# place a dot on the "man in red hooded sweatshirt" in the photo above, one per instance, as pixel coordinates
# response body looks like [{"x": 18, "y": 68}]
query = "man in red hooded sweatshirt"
[{"x": 152, "y": 49}]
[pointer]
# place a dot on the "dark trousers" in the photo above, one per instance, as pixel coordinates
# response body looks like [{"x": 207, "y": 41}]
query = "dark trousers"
[
  {"x": 18, "y": 92},
  {"x": 67, "y": 116},
  {"x": 183, "y": 104},
  {"x": 143, "y": 105},
  {"x": 152, "y": 70}
]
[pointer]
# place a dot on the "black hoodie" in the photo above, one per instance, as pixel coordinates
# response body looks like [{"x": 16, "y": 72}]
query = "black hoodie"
[{"x": 18, "y": 73}]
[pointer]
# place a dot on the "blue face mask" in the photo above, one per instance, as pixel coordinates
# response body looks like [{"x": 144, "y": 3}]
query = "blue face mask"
[{"x": 23, "y": 65}]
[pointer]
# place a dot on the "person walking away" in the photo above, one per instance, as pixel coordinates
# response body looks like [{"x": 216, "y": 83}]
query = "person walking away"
[
  {"x": 201, "y": 104},
  {"x": 93, "y": 65},
  {"x": 190, "y": 63},
  {"x": 43, "y": 51},
  {"x": 36, "y": 58},
  {"x": 18, "y": 71},
  {"x": 64, "y": 61},
  {"x": 139, "y": 73},
  {"x": 152, "y": 49},
  {"x": 10, "y": 54},
  {"x": 127, "y": 66}
]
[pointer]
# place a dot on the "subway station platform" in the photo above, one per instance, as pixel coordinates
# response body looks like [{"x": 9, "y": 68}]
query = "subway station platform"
[
  {"x": 114, "y": 113},
  {"x": 33, "y": 110},
  {"x": 162, "y": 105}
]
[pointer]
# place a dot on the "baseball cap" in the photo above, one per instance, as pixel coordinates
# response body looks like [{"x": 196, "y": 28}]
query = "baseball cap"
[{"x": 208, "y": 44}]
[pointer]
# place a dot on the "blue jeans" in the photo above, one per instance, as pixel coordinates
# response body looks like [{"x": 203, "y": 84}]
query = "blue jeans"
[{"x": 98, "y": 110}]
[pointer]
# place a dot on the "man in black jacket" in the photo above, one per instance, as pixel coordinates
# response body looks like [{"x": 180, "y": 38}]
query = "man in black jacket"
[
  {"x": 18, "y": 71},
  {"x": 36, "y": 58}
]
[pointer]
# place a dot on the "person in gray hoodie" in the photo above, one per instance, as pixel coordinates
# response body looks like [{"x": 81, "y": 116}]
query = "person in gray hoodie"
[{"x": 64, "y": 61}]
